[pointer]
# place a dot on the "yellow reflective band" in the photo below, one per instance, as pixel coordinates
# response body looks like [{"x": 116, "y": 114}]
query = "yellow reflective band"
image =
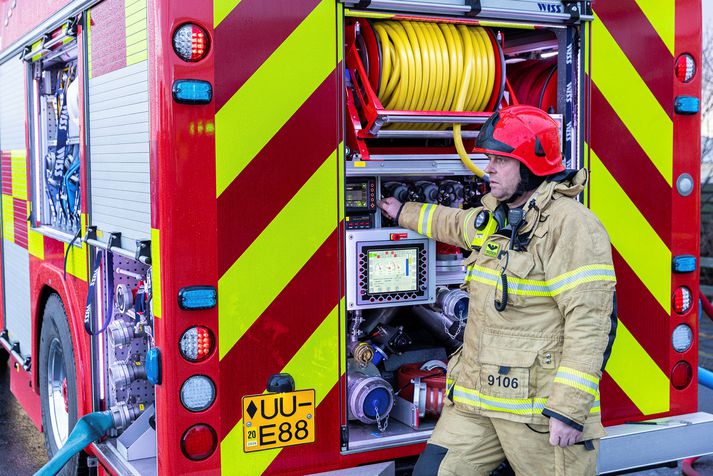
[
  {"x": 551, "y": 287},
  {"x": 580, "y": 374},
  {"x": 8, "y": 218},
  {"x": 36, "y": 243},
  {"x": 244, "y": 125},
  {"x": 156, "y": 272},
  {"x": 637, "y": 374},
  {"x": 662, "y": 15},
  {"x": 466, "y": 224},
  {"x": 312, "y": 367},
  {"x": 644, "y": 251},
  {"x": 632, "y": 100},
  {"x": 221, "y": 9},
  {"x": 18, "y": 166},
  {"x": 575, "y": 384}
]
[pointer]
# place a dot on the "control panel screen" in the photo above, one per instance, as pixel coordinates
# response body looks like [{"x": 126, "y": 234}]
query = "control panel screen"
[
  {"x": 392, "y": 270},
  {"x": 356, "y": 195}
]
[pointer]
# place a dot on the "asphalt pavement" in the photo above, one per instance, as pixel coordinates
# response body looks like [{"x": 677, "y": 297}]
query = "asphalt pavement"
[{"x": 22, "y": 450}]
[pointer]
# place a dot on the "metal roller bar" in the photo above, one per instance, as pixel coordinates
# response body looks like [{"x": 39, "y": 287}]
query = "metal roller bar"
[
  {"x": 52, "y": 23},
  {"x": 113, "y": 249},
  {"x": 396, "y": 134},
  {"x": 489, "y": 9}
]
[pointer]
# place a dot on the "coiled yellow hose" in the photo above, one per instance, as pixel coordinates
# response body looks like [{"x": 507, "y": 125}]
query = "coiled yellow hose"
[{"x": 436, "y": 67}]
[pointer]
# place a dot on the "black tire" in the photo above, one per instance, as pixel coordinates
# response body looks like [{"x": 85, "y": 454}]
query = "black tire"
[{"x": 55, "y": 331}]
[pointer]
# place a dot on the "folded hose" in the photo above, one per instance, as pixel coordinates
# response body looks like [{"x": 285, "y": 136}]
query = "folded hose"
[
  {"x": 89, "y": 428},
  {"x": 436, "y": 67}
]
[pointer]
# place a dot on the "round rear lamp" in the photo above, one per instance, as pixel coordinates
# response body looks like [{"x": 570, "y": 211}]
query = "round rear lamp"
[
  {"x": 682, "y": 300},
  {"x": 682, "y": 338},
  {"x": 190, "y": 42},
  {"x": 681, "y": 375},
  {"x": 199, "y": 442},
  {"x": 685, "y": 68},
  {"x": 197, "y": 393},
  {"x": 196, "y": 344}
]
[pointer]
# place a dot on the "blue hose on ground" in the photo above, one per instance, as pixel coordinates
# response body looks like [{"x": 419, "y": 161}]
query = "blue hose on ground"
[
  {"x": 89, "y": 428},
  {"x": 705, "y": 377}
]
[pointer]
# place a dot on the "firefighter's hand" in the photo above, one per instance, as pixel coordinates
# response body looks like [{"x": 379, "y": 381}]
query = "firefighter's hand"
[
  {"x": 563, "y": 435},
  {"x": 390, "y": 207}
]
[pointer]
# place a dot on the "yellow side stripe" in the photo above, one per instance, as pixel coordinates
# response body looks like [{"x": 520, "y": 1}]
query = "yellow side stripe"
[
  {"x": 156, "y": 272},
  {"x": 77, "y": 259},
  {"x": 631, "y": 98},
  {"x": 18, "y": 171},
  {"x": 8, "y": 218},
  {"x": 312, "y": 367},
  {"x": 262, "y": 272},
  {"x": 245, "y": 123},
  {"x": 637, "y": 374},
  {"x": 221, "y": 9},
  {"x": 35, "y": 243},
  {"x": 630, "y": 233},
  {"x": 662, "y": 15}
]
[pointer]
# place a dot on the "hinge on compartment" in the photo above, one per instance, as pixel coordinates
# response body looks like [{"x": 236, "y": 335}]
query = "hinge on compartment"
[
  {"x": 572, "y": 7},
  {"x": 475, "y": 7},
  {"x": 114, "y": 240},
  {"x": 343, "y": 437},
  {"x": 91, "y": 233},
  {"x": 143, "y": 251}
]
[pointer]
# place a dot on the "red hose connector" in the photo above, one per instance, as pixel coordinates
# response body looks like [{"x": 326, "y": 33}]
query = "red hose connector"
[{"x": 687, "y": 464}]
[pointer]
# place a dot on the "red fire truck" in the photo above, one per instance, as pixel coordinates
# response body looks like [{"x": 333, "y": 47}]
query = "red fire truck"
[{"x": 190, "y": 237}]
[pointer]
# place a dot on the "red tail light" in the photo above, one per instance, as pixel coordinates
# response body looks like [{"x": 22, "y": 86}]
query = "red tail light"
[
  {"x": 199, "y": 442},
  {"x": 682, "y": 300},
  {"x": 685, "y": 68},
  {"x": 681, "y": 375},
  {"x": 190, "y": 42}
]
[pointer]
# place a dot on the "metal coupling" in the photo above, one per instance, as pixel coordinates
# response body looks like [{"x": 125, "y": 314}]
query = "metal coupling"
[
  {"x": 122, "y": 374},
  {"x": 121, "y": 332},
  {"x": 124, "y": 414},
  {"x": 362, "y": 353}
]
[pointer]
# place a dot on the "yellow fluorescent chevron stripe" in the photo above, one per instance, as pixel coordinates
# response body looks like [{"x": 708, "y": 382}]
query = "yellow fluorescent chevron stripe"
[
  {"x": 36, "y": 244},
  {"x": 287, "y": 78},
  {"x": 221, "y": 9},
  {"x": 631, "y": 234},
  {"x": 8, "y": 218},
  {"x": 662, "y": 15},
  {"x": 260, "y": 274},
  {"x": 313, "y": 366},
  {"x": 637, "y": 374},
  {"x": 629, "y": 96},
  {"x": 156, "y": 272},
  {"x": 18, "y": 165},
  {"x": 77, "y": 261}
]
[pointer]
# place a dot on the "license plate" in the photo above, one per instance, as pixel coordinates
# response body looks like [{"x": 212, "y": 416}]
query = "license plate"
[{"x": 274, "y": 420}]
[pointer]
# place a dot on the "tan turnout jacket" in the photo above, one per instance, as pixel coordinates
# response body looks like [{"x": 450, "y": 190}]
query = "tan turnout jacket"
[{"x": 543, "y": 355}]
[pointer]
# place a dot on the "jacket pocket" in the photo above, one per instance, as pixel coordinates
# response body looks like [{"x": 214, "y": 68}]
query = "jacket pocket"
[
  {"x": 453, "y": 368},
  {"x": 505, "y": 371},
  {"x": 519, "y": 268}
]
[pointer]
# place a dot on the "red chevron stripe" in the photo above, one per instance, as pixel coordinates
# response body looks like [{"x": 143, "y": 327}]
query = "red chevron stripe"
[
  {"x": 641, "y": 313},
  {"x": 243, "y": 41},
  {"x": 645, "y": 49},
  {"x": 628, "y": 163},
  {"x": 276, "y": 174},
  {"x": 6, "y": 163},
  {"x": 20, "y": 221},
  {"x": 280, "y": 331},
  {"x": 617, "y": 407}
]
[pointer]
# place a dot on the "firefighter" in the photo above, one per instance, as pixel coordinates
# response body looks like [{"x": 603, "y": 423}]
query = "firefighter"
[{"x": 525, "y": 384}]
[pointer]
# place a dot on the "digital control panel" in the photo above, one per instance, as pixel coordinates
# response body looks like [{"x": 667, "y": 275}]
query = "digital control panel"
[
  {"x": 357, "y": 221},
  {"x": 360, "y": 195},
  {"x": 385, "y": 268}
]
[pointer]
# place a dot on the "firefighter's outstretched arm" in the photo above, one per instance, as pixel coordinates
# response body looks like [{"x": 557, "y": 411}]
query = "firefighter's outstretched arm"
[
  {"x": 580, "y": 275},
  {"x": 444, "y": 224}
]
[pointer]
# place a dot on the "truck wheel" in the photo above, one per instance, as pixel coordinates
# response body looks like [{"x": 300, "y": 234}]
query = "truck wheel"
[{"x": 58, "y": 381}]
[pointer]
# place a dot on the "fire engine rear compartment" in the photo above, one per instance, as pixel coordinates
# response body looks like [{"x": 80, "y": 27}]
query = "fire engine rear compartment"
[{"x": 406, "y": 311}]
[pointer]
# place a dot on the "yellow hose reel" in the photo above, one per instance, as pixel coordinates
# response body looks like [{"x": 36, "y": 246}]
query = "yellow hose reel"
[{"x": 426, "y": 66}]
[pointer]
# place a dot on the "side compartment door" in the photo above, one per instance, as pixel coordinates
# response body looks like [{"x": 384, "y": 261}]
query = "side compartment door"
[{"x": 15, "y": 205}]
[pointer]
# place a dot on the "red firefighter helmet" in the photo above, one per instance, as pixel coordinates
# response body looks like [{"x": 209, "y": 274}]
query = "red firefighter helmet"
[{"x": 525, "y": 133}]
